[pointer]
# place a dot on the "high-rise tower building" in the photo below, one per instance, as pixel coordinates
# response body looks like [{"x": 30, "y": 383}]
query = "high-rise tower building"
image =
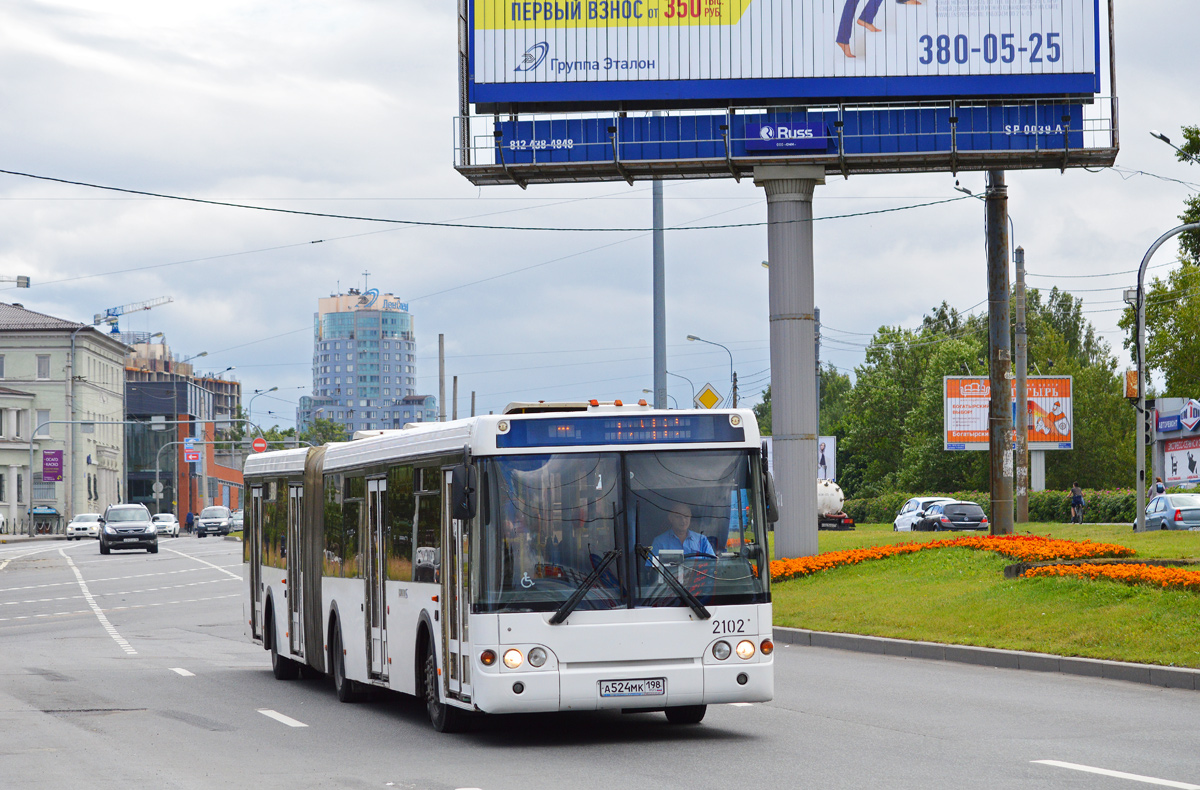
[{"x": 364, "y": 365}]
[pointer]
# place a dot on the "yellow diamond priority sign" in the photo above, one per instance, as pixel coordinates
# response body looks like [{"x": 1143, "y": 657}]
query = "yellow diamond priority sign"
[{"x": 707, "y": 398}]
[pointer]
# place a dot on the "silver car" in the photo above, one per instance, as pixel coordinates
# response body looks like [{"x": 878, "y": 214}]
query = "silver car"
[{"x": 1173, "y": 511}]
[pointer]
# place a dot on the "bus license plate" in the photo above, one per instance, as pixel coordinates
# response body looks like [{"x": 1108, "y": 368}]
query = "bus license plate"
[{"x": 643, "y": 687}]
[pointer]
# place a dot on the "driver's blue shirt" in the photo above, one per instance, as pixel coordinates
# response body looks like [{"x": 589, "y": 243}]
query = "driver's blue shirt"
[{"x": 693, "y": 543}]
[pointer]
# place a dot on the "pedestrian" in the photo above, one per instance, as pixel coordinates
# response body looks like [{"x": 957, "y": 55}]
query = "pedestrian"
[
  {"x": 1076, "y": 504},
  {"x": 1159, "y": 488},
  {"x": 191, "y": 519}
]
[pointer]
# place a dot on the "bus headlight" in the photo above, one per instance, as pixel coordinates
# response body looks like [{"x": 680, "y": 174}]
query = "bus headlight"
[
  {"x": 745, "y": 649},
  {"x": 537, "y": 656},
  {"x": 513, "y": 658},
  {"x": 721, "y": 650}
]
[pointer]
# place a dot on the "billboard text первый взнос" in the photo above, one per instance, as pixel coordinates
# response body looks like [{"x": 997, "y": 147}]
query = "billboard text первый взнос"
[{"x": 592, "y": 53}]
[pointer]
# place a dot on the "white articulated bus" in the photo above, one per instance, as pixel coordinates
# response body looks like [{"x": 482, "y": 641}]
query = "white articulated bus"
[{"x": 556, "y": 557}]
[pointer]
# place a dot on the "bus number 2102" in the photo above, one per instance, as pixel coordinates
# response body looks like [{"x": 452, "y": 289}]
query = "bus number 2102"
[{"x": 730, "y": 626}]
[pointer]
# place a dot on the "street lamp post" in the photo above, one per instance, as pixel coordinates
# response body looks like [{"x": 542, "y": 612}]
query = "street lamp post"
[
  {"x": 1141, "y": 369},
  {"x": 1159, "y": 135},
  {"x": 690, "y": 384},
  {"x": 669, "y": 396},
  {"x": 732, "y": 373},
  {"x": 250, "y": 405}
]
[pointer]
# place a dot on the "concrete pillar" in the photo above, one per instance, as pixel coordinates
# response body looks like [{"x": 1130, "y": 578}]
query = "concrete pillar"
[
  {"x": 789, "y": 191},
  {"x": 10, "y": 496}
]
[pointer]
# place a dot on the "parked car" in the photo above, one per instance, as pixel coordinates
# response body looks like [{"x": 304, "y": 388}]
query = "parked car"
[
  {"x": 215, "y": 520},
  {"x": 952, "y": 515},
  {"x": 914, "y": 510},
  {"x": 237, "y": 520},
  {"x": 84, "y": 525},
  {"x": 167, "y": 524},
  {"x": 128, "y": 527},
  {"x": 1173, "y": 511}
]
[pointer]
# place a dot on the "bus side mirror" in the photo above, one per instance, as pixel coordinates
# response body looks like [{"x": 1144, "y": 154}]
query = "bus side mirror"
[
  {"x": 772, "y": 513},
  {"x": 462, "y": 492}
]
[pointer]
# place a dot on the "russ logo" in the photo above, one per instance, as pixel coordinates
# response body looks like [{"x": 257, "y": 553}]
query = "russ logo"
[{"x": 533, "y": 57}]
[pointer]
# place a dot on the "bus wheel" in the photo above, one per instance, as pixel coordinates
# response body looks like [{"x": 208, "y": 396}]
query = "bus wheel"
[
  {"x": 281, "y": 667},
  {"x": 443, "y": 717},
  {"x": 347, "y": 689},
  {"x": 686, "y": 714}
]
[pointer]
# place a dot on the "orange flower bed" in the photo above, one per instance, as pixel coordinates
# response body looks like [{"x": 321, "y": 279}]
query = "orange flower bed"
[
  {"x": 1027, "y": 548},
  {"x": 1169, "y": 578}
]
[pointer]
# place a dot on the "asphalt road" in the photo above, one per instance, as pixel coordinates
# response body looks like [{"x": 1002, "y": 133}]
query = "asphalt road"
[{"x": 131, "y": 671}]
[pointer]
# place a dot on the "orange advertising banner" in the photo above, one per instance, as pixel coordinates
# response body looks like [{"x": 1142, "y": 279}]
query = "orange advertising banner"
[{"x": 1049, "y": 406}]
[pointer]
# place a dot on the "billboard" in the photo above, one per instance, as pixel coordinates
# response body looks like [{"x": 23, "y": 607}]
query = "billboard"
[
  {"x": 1050, "y": 408},
  {"x": 52, "y": 466},
  {"x": 594, "y": 53},
  {"x": 1181, "y": 461}
]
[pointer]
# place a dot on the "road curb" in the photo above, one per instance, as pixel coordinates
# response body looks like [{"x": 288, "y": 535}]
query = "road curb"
[{"x": 1151, "y": 674}]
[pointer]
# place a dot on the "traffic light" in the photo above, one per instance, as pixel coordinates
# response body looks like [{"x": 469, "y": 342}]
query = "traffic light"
[{"x": 1148, "y": 417}]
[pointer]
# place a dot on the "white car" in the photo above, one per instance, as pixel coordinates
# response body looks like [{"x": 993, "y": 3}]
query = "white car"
[
  {"x": 914, "y": 509},
  {"x": 167, "y": 524},
  {"x": 84, "y": 525}
]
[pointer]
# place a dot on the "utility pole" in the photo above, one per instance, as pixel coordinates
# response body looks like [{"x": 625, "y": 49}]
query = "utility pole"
[
  {"x": 1000, "y": 361},
  {"x": 472, "y": 403},
  {"x": 660, "y": 299},
  {"x": 817, "y": 356},
  {"x": 441, "y": 378},
  {"x": 1021, "y": 481},
  {"x": 454, "y": 398}
]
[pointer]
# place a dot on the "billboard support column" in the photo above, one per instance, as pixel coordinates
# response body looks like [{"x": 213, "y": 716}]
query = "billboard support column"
[
  {"x": 660, "y": 298},
  {"x": 1000, "y": 363},
  {"x": 1021, "y": 480},
  {"x": 789, "y": 191}
]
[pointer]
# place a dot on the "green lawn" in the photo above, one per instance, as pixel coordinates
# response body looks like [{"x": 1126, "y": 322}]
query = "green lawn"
[{"x": 961, "y": 596}]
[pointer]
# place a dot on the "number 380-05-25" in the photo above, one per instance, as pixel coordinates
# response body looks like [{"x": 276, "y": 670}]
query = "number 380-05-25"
[
  {"x": 1041, "y": 48},
  {"x": 730, "y": 626}
]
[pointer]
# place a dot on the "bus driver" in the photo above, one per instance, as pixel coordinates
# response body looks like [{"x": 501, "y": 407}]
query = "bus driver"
[{"x": 680, "y": 536}]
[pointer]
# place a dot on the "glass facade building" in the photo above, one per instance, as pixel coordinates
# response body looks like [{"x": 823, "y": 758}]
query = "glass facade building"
[{"x": 364, "y": 365}]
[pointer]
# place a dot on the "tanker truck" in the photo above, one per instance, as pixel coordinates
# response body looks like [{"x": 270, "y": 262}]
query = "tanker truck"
[{"x": 829, "y": 507}]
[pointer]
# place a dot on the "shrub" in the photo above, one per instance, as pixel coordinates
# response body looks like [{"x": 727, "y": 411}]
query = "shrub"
[{"x": 1116, "y": 506}]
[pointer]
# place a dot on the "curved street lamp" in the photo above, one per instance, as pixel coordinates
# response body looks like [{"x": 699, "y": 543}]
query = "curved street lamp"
[
  {"x": 732, "y": 374},
  {"x": 250, "y": 405}
]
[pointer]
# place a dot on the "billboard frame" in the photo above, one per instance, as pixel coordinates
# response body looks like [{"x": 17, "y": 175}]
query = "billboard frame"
[{"x": 1034, "y": 444}]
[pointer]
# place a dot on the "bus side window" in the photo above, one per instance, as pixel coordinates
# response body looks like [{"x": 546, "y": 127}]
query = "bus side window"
[
  {"x": 352, "y": 514},
  {"x": 401, "y": 512},
  {"x": 332, "y": 563},
  {"x": 274, "y": 524},
  {"x": 428, "y": 554}
]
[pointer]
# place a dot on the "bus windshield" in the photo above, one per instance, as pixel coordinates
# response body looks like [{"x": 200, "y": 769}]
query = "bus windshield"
[{"x": 548, "y": 522}]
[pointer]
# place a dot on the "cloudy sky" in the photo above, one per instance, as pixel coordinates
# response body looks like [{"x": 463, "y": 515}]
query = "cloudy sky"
[{"x": 345, "y": 107}]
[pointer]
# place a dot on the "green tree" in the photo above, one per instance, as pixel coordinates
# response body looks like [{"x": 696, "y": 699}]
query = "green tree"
[
  {"x": 835, "y": 397},
  {"x": 322, "y": 431}
]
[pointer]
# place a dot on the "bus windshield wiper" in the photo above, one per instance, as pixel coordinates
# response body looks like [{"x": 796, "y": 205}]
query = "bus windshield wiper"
[
  {"x": 673, "y": 583},
  {"x": 565, "y": 610}
]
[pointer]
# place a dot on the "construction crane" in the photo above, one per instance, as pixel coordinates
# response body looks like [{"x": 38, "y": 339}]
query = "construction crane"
[{"x": 111, "y": 315}]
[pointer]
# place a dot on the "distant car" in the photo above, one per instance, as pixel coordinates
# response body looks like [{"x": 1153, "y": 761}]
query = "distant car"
[
  {"x": 84, "y": 525},
  {"x": 215, "y": 520},
  {"x": 952, "y": 515},
  {"x": 236, "y": 518},
  {"x": 128, "y": 527},
  {"x": 914, "y": 510},
  {"x": 1173, "y": 511},
  {"x": 167, "y": 524}
]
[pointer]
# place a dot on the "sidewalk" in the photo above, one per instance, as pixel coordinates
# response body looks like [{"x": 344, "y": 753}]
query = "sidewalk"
[
  {"x": 30, "y": 538},
  {"x": 1151, "y": 674}
]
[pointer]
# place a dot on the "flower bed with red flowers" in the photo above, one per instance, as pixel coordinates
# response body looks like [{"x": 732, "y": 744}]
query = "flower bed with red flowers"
[
  {"x": 1027, "y": 548},
  {"x": 1131, "y": 573}
]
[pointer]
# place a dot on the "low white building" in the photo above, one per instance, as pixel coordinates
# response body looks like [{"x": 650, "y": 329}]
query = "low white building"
[{"x": 62, "y": 402}]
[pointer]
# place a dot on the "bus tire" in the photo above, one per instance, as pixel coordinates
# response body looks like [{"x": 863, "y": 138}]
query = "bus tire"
[
  {"x": 686, "y": 714},
  {"x": 347, "y": 689},
  {"x": 443, "y": 717},
  {"x": 282, "y": 667}
]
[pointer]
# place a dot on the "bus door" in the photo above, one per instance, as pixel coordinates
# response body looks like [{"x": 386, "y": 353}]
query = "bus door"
[
  {"x": 375, "y": 549},
  {"x": 295, "y": 571},
  {"x": 253, "y": 541},
  {"x": 454, "y": 587}
]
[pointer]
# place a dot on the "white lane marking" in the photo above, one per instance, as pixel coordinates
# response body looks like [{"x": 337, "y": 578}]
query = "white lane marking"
[
  {"x": 277, "y": 716},
  {"x": 91, "y": 602},
  {"x": 1150, "y": 780},
  {"x": 106, "y": 579},
  {"x": 118, "y": 608},
  {"x": 40, "y": 600},
  {"x": 183, "y": 672},
  {"x": 237, "y": 576},
  {"x": 26, "y": 554}
]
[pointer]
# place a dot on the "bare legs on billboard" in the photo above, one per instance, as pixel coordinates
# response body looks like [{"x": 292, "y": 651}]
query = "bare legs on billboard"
[{"x": 789, "y": 191}]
